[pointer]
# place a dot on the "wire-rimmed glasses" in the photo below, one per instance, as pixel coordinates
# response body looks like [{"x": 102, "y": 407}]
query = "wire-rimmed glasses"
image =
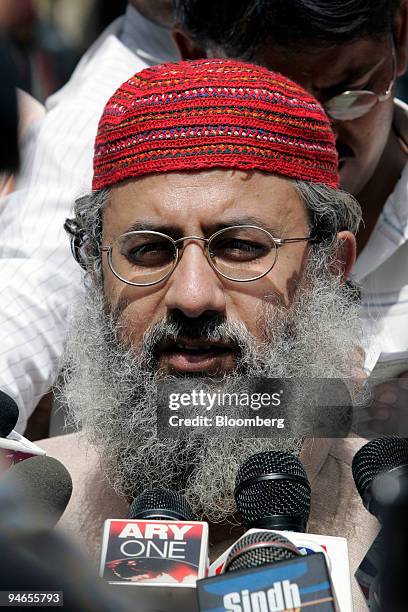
[
  {"x": 240, "y": 253},
  {"x": 355, "y": 103}
]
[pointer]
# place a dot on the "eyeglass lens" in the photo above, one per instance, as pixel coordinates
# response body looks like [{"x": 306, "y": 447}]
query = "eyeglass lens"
[
  {"x": 143, "y": 257},
  {"x": 351, "y": 105},
  {"x": 241, "y": 253}
]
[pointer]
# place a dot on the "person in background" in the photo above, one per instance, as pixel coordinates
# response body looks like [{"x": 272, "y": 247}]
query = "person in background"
[
  {"x": 37, "y": 275},
  {"x": 44, "y": 59},
  {"x": 348, "y": 55}
]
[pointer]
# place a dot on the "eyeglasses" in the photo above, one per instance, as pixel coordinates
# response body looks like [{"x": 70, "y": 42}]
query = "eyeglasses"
[
  {"x": 239, "y": 253},
  {"x": 352, "y": 104}
]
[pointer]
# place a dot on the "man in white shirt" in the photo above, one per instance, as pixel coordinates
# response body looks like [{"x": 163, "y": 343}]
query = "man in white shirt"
[
  {"x": 333, "y": 48},
  {"x": 38, "y": 278}
]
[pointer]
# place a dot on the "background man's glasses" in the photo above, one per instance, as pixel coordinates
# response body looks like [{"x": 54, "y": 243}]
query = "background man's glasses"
[
  {"x": 356, "y": 103},
  {"x": 240, "y": 253}
]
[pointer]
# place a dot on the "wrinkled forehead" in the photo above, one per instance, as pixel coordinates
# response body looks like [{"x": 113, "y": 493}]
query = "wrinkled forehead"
[{"x": 203, "y": 201}]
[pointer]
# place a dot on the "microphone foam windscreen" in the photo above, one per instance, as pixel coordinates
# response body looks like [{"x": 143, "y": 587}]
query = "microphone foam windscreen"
[
  {"x": 8, "y": 414},
  {"x": 43, "y": 484},
  {"x": 260, "y": 548},
  {"x": 161, "y": 503},
  {"x": 257, "y": 497},
  {"x": 377, "y": 456}
]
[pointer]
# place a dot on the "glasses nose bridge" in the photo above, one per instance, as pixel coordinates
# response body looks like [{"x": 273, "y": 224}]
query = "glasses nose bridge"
[
  {"x": 184, "y": 238},
  {"x": 179, "y": 250},
  {"x": 179, "y": 244}
]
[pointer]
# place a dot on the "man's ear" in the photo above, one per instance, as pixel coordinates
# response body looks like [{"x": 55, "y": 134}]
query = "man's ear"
[
  {"x": 346, "y": 250},
  {"x": 400, "y": 35},
  {"x": 188, "y": 48}
]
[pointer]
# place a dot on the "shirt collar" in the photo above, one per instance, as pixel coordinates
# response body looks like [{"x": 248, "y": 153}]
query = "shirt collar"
[{"x": 151, "y": 42}]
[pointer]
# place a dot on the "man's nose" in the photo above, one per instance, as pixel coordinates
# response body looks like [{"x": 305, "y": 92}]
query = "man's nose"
[{"x": 194, "y": 287}]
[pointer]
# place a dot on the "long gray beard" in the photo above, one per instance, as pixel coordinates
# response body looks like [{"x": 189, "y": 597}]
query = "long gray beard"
[{"x": 109, "y": 389}]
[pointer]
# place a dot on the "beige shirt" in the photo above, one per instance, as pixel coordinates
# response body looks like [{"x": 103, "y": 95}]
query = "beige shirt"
[{"x": 336, "y": 507}]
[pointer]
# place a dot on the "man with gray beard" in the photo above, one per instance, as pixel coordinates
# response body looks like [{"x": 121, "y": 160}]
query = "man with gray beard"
[{"x": 216, "y": 244}]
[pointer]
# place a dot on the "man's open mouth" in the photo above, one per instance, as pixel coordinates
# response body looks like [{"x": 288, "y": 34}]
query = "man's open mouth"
[{"x": 197, "y": 356}]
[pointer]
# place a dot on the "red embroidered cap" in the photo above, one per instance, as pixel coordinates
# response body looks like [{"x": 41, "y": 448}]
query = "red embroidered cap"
[{"x": 213, "y": 113}]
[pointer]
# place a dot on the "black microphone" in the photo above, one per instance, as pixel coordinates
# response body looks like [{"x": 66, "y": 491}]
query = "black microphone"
[
  {"x": 266, "y": 571},
  {"x": 44, "y": 485},
  {"x": 37, "y": 559},
  {"x": 13, "y": 446},
  {"x": 161, "y": 505},
  {"x": 378, "y": 461},
  {"x": 259, "y": 548},
  {"x": 272, "y": 491},
  {"x": 380, "y": 471},
  {"x": 9, "y": 413}
]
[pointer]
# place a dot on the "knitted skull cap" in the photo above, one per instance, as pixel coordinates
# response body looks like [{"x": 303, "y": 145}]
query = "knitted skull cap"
[{"x": 213, "y": 113}]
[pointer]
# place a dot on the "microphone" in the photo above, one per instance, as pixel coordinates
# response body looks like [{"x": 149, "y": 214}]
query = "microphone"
[
  {"x": 380, "y": 471},
  {"x": 259, "y": 548},
  {"x": 8, "y": 414},
  {"x": 160, "y": 544},
  {"x": 43, "y": 484},
  {"x": 161, "y": 504},
  {"x": 13, "y": 446},
  {"x": 272, "y": 491},
  {"x": 265, "y": 571},
  {"x": 36, "y": 559},
  {"x": 380, "y": 461}
]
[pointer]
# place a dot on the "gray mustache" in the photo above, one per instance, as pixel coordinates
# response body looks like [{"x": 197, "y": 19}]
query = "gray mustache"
[{"x": 205, "y": 328}]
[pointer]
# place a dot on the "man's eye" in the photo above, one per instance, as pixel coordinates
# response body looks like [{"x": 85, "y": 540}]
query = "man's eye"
[
  {"x": 239, "y": 250},
  {"x": 152, "y": 253}
]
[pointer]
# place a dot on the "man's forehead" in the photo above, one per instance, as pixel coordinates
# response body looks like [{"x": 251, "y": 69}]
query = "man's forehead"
[{"x": 205, "y": 198}]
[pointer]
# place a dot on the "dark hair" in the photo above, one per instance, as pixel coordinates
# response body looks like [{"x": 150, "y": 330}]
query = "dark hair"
[{"x": 240, "y": 27}]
